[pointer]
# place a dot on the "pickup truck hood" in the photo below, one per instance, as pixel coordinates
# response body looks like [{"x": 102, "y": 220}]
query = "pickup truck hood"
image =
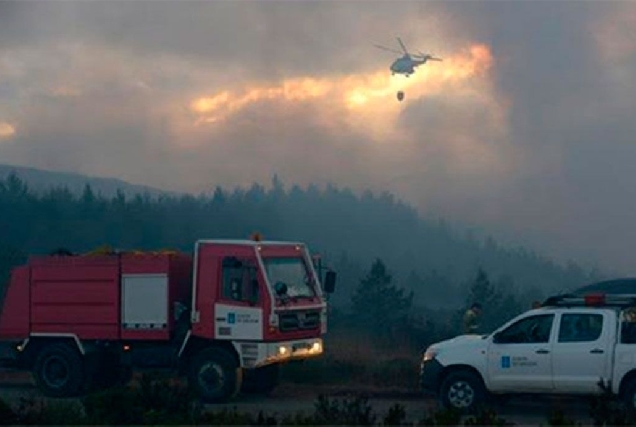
[
  {"x": 468, "y": 350},
  {"x": 461, "y": 341}
]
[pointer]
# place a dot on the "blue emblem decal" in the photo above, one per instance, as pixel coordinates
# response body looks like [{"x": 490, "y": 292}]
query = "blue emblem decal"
[
  {"x": 231, "y": 318},
  {"x": 505, "y": 362}
]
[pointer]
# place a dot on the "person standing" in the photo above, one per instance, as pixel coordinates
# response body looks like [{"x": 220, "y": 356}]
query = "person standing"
[{"x": 471, "y": 319}]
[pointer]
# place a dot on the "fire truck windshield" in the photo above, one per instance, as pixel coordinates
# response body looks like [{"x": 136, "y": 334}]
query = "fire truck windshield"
[{"x": 293, "y": 273}]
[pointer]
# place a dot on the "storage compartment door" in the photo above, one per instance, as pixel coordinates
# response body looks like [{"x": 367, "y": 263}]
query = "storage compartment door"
[{"x": 144, "y": 305}]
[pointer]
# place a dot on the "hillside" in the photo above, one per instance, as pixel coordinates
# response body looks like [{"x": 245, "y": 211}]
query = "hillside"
[
  {"x": 40, "y": 180},
  {"x": 350, "y": 230}
]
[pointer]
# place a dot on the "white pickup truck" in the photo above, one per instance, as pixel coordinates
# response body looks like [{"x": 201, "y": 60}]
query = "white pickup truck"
[{"x": 564, "y": 347}]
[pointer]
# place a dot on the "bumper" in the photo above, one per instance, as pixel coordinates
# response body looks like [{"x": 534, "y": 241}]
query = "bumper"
[
  {"x": 430, "y": 374},
  {"x": 254, "y": 355}
]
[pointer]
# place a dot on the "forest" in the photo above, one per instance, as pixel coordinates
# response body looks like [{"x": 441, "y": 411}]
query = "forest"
[{"x": 372, "y": 241}]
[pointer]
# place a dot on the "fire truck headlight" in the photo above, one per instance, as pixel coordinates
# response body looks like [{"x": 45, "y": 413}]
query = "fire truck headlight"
[
  {"x": 316, "y": 348},
  {"x": 283, "y": 351}
]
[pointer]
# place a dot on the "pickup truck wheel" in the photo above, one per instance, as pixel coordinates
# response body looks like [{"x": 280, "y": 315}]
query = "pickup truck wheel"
[
  {"x": 215, "y": 375},
  {"x": 462, "y": 391},
  {"x": 59, "y": 371},
  {"x": 629, "y": 397}
]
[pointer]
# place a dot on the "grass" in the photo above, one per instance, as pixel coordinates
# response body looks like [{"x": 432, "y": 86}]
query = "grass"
[{"x": 355, "y": 359}]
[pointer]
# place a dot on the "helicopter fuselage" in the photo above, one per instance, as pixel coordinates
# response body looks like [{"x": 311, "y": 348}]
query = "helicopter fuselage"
[{"x": 405, "y": 65}]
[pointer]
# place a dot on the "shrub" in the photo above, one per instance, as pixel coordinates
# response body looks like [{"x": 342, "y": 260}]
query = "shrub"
[
  {"x": 444, "y": 417},
  {"x": 557, "y": 418},
  {"x": 396, "y": 416},
  {"x": 7, "y": 416},
  {"x": 229, "y": 418},
  {"x": 40, "y": 412},
  {"x": 353, "y": 410},
  {"x": 486, "y": 417},
  {"x": 155, "y": 400}
]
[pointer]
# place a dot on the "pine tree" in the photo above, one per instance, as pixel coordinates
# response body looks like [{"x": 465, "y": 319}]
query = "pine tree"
[
  {"x": 482, "y": 291},
  {"x": 379, "y": 305}
]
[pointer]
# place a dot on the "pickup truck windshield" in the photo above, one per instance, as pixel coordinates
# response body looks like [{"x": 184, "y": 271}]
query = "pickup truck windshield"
[{"x": 293, "y": 273}]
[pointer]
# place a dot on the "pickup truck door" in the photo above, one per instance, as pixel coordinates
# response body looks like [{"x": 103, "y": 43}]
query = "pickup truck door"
[
  {"x": 581, "y": 353},
  {"x": 519, "y": 356}
]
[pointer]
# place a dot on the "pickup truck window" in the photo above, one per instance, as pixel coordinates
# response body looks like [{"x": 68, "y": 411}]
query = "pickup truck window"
[
  {"x": 628, "y": 326},
  {"x": 529, "y": 330},
  {"x": 580, "y": 327}
]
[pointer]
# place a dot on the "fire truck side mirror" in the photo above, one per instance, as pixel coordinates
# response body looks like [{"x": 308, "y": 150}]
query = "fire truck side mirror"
[{"x": 330, "y": 282}]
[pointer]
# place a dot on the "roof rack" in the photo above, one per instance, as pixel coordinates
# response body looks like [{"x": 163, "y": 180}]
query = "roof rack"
[{"x": 598, "y": 299}]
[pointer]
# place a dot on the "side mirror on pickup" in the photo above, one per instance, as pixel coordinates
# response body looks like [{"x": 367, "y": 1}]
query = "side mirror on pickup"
[{"x": 330, "y": 282}]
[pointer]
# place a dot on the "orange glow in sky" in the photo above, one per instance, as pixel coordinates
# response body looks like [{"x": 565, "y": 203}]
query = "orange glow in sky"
[
  {"x": 6, "y": 130},
  {"x": 366, "y": 94}
]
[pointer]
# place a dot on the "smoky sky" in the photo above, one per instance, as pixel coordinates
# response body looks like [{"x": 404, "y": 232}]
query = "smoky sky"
[{"x": 524, "y": 131}]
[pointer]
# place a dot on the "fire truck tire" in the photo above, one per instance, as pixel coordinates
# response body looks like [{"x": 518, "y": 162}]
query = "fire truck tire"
[
  {"x": 59, "y": 371},
  {"x": 462, "y": 391},
  {"x": 215, "y": 375},
  {"x": 261, "y": 380}
]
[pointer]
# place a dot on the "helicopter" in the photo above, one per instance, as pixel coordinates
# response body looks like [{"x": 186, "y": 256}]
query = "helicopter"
[{"x": 407, "y": 62}]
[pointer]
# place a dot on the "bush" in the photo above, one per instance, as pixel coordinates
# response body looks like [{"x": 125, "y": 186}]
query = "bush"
[
  {"x": 159, "y": 401},
  {"x": 445, "y": 417},
  {"x": 354, "y": 410},
  {"x": 155, "y": 400},
  {"x": 39, "y": 412},
  {"x": 7, "y": 416}
]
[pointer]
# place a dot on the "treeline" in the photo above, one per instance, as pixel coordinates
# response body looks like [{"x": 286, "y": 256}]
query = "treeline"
[{"x": 350, "y": 231}]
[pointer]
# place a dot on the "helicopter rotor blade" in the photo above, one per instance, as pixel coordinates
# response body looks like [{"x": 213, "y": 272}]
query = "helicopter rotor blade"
[
  {"x": 427, "y": 56},
  {"x": 387, "y": 48},
  {"x": 402, "y": 44}
]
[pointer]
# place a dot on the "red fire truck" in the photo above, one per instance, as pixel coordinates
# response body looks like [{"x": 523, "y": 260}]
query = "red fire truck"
[{"x": 225, "y": 317}]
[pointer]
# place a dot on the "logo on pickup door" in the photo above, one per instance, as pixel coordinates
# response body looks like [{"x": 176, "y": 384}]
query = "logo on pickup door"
[
  {"x": 505, "y": 362},
  {"x": 516, "y": 362}
]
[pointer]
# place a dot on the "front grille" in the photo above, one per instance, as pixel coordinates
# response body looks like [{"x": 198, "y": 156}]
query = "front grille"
[{"x": 299, "y": 321}]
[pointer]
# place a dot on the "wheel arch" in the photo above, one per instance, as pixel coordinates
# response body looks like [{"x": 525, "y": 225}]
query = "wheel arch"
[
  {"x": 37, "y": 341},
  {"x": 627, "y": 379},
  {"x": 192, "y": 345},
  {"x": 448, "y": 370}
]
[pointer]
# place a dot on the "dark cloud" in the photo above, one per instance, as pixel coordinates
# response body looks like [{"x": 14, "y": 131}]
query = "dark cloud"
[
  {"x": 540, "y": 148},
  {"x": 272, "y": 38}
]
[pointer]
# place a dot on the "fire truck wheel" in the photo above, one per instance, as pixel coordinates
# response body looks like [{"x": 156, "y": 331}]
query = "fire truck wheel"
[
  {"x": 261, "y": 380},
  {"x": 215, "y": 375},
  {"x": 59, "y": 371},
  {"x": 462, "y": 391}
]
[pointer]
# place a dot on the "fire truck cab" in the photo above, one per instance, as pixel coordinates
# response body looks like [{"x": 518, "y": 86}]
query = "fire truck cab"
[{"x": 225, "y": 317}]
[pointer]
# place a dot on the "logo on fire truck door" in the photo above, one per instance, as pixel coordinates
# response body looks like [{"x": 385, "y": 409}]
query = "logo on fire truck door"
[{"x": 232, "y": 322}]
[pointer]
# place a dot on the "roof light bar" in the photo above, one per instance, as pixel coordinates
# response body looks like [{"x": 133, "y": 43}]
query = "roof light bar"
[{"x": 597, "y": 299}]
